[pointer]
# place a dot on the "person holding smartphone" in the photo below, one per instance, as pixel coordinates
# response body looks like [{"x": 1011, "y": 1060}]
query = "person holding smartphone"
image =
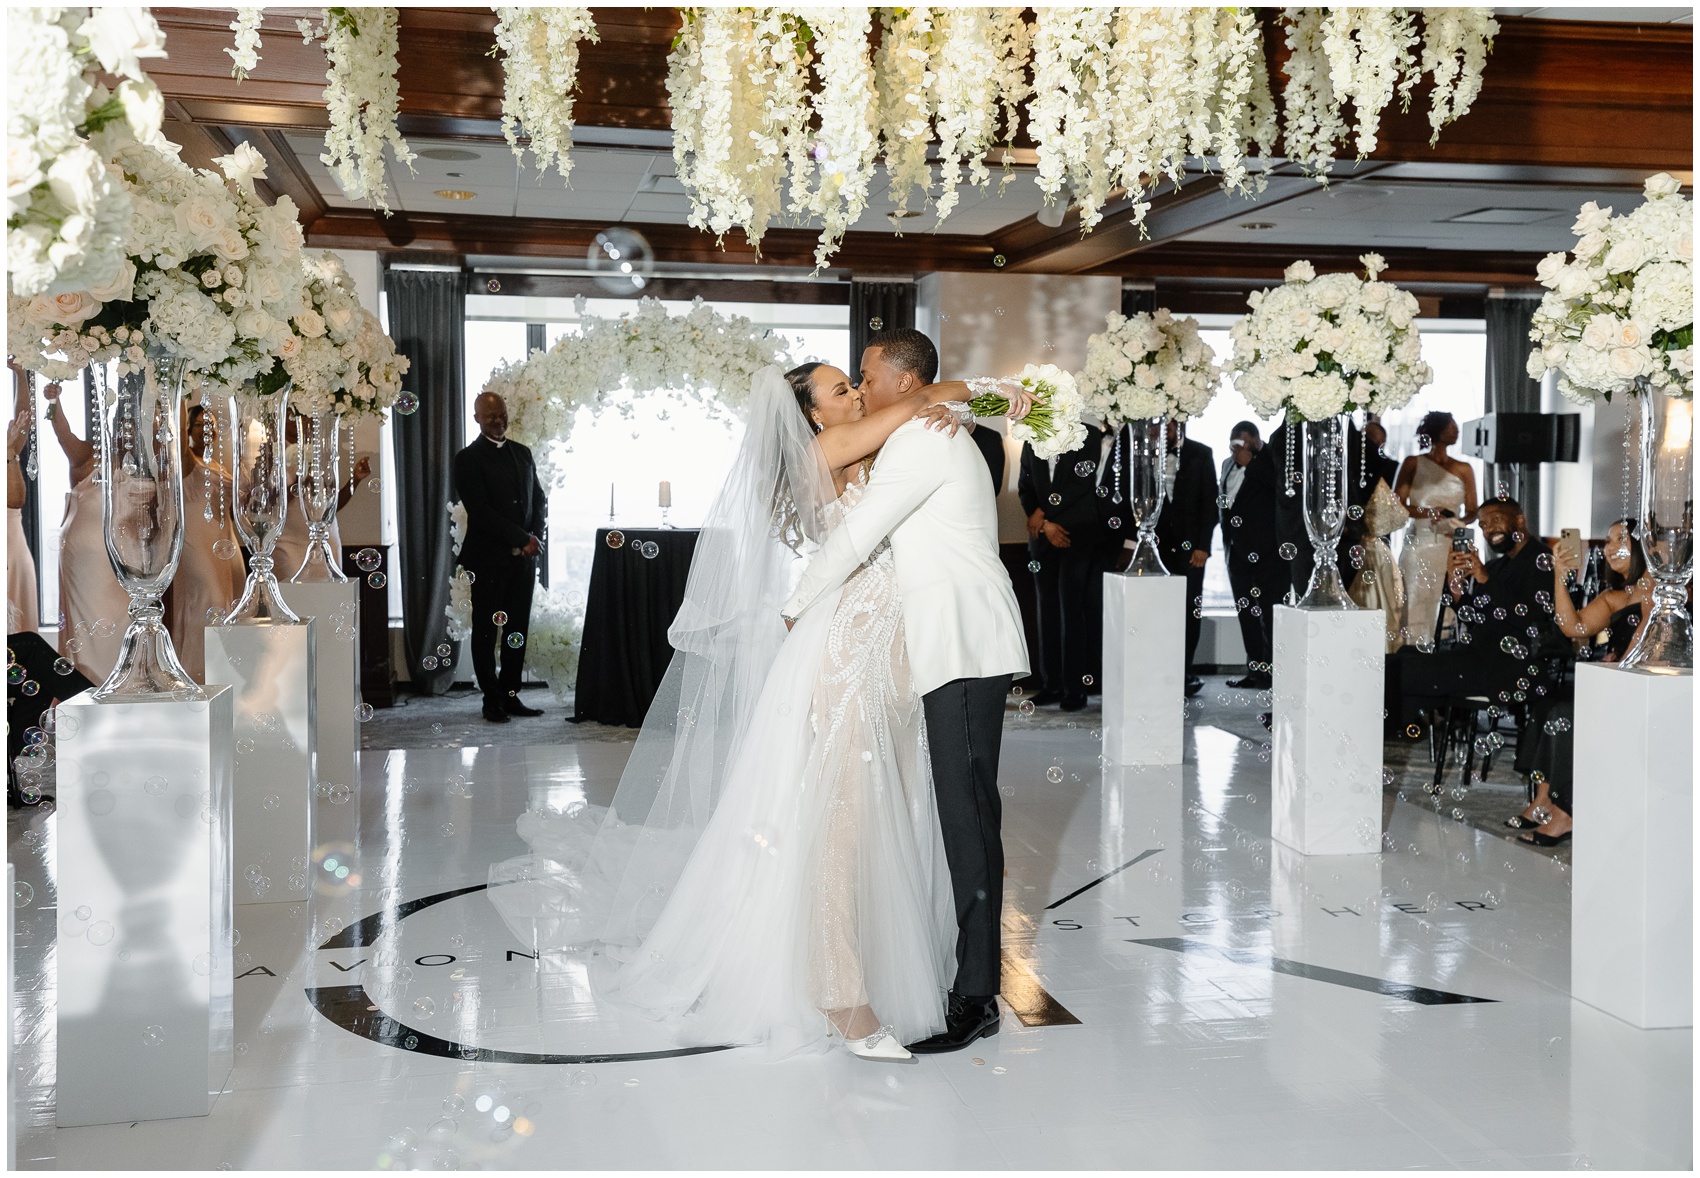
[{"x": 1505, "y": 606}]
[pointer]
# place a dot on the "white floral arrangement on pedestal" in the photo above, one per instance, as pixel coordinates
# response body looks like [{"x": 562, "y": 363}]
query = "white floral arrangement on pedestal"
[
  {"x": 553, "y": 641},
  {"x": 1621, "y": 310},
  {"x": 338, "y": 355},
  {"x": 1148, "y": 365},
  {"x": 67, "y": 211},
  {"x": 710, "y": 357},
  {"x": 1318, "y": 346}
]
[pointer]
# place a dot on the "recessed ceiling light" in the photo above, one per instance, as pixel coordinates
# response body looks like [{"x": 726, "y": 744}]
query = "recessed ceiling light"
[
  {"x": 899, "y": 218},
  {"x": 1257, "y": 226},
  {"x": 1507, "y": 216},
  {"x": 449, "y": 153},
  {"x": 455, "y": 194}
]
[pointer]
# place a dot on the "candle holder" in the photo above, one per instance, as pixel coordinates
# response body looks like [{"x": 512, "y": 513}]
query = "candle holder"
[{"x": 664, "y": 522}]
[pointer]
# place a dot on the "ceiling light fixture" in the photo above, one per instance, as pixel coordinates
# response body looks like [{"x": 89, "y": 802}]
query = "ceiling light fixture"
[
  {"x": 1256, "y": 226},
  {"x": 454, "y": 194},
  {"x": 449, "y": 153}
]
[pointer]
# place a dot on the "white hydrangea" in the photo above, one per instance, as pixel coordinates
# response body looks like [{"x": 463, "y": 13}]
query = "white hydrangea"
[
  {"x": 1148, "y": 365},
  {"x": 1062, "y": 395}
]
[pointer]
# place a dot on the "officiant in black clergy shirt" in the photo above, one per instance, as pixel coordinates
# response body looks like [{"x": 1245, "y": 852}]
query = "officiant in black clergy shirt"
[{"x": 506, "y": 515}]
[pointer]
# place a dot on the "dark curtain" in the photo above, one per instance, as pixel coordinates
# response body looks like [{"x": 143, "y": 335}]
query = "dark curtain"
[
  {"x": 428, "y": 323},
  {"x": 536, "y": 340},
  {"x": 887, "y": 304},
  {"x": 1509, "y": 390},
  {"x": 1137, "y": 300}
]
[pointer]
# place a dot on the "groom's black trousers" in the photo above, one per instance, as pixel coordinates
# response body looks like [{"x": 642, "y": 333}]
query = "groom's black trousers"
[{"x": 964, "y": 737}]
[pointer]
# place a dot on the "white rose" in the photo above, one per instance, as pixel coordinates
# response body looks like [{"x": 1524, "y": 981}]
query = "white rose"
[
  {"x": 1590, "y": 218},
  {"x": 121, "y": 287},
  {"x": 203, "y": 218},
  {"x": 76, "y": 177},
  {"x": 1300, "y": 271},
  {"x": 310, "y": 324},
  {"x": 1628, "y": 335},
  {"x": 1624, "y": 256},
  {"x": 1663, "y": 184},
  {"x": 144, "y": 109},
  {"x": 230, "y": 245},
  {"x": 69, "y": 309},
  {"x": 1627, "y": 362},
  {"x": 1400, "y": 313},
  {"x": 232, "y": 275},
  {"x": 1573, "y": 282},
  {"x": 244, "y": 165},
  {"x": 1685, "y": 245},
  {"x": 23, "y": 171},
  {"x": 1600, "y": 332},
  {"x": 1554, "y": 354},
  {"x": 254, "y": 323},
  {"x": 1590, "y": 245},
  {"x": 339, "y": 316},
  {"x": 120, "y": 37},
  {"x": 266, "y": 285}
]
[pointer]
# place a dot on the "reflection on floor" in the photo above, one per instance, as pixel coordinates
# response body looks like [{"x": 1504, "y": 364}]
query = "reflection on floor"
[{"x": 1229, "y": 1003}]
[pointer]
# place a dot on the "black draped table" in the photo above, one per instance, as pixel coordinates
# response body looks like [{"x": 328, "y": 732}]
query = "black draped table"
[{"x": 632, "y": 601}]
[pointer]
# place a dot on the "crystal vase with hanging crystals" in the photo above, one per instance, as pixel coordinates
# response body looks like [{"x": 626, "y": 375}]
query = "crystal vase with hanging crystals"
[
  {"x": 318, "y": 481},
  {"x": 141, "y": 467},
  {"x": 1325, "y": 500},
  {"x": 259, "y": 498},
  {"x": 1665, "y": 644},
  {"x": 1147, "y": 455}
]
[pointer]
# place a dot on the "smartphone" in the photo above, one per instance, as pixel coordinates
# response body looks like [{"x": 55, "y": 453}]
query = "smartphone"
[
  {"x": 1570, "y": 545},
  {"x": 1461, "y": 540}
]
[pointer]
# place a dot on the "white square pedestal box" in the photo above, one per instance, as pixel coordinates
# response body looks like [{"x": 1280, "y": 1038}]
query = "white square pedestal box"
[
  {"x": 1144, "y": 669},
  {"x": 270, "y": 670},
  {"x": 336, "y": 671},
  {"x": 1327, "y": 730},
  {"x": 1632, "y": 892},
  {"x": 145, "y": 917}
]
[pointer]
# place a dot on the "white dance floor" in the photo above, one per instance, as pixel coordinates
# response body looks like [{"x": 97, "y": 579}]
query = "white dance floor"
[{"x": 1178, "y": 993}]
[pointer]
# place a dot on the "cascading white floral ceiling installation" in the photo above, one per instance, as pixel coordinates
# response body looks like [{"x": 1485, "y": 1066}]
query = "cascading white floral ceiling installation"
[{"x": 782, "y": 113}]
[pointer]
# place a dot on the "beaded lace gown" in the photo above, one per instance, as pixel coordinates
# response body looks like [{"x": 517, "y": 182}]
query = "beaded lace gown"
[
  {"x": 819, "y": 883},
  {"x": 1428, "y": 544}
]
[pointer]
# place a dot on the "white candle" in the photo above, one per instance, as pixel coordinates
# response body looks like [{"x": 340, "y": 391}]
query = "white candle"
[{"x": 666, "y": 493}]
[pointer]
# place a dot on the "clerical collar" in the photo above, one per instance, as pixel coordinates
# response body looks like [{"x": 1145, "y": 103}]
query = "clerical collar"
[{"x": 495, "y": 442}]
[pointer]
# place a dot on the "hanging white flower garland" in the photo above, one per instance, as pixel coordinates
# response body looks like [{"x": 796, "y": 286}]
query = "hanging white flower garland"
[
  {"x": 363, "y": 97},
  {"x": 540, "y": 70},
  {"x": 245, "y": 54}
]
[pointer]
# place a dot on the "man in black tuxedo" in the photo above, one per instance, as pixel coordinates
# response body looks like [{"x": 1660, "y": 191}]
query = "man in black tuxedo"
[
  {"x": 1065, "y": 542},
  {"x": 506, "y": 515},
  {"x": 1255, "y": 569},
  {"x": 1185, "y": 524},
  {"x": 1380, "y": 465}
]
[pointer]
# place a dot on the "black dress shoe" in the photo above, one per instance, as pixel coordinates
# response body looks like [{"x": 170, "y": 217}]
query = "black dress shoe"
[
  {"x": 514, "y": 708},
  {"x": 1046, "y": 698},
  {"x": 966, "y": 1019},
  {"x": 495, "y": 715},
  {"x": 1194, "y": 685},
  {"x": 1073, "y": 703}
]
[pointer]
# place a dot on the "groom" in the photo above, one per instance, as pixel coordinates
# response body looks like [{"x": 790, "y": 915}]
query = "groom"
[{"x": 963, "y": 632}]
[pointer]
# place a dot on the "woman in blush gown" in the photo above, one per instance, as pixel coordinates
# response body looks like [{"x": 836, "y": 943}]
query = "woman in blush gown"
[
  {"x": 1439, "y": 494},
  {"x": 210, "y": 574},
  {"x": 94, "y": 607},
  {"x": 1379, "y": 583},
  {"x": 771, "y": 871},
  {"x": 290, "y": 552},
  {"x": 22, "y": 611}
]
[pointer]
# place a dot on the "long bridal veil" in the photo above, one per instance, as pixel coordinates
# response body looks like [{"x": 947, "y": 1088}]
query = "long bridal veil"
[{"x": 604, "y": 877}]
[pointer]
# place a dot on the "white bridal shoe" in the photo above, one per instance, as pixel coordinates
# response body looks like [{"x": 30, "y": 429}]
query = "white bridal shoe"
[{"x": 882, "y": 1044}]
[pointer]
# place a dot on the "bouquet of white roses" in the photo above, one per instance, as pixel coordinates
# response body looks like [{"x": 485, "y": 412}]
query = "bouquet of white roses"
[
  {"x": 1623, "y": 309},
  {"x": 1052, "y": 426},
  {"x": 1321, "y": 346},
  {"x": 553, "y": 641},
  {"x": 1145, "y": 366},
  {"x": 67, "y": 212}
]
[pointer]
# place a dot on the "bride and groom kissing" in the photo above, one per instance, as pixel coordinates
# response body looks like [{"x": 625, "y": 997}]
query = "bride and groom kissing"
[{"x": 805, "y": 843}]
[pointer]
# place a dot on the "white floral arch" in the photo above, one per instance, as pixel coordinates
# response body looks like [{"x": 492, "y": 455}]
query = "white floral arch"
[{"x": 707, "y": 356}]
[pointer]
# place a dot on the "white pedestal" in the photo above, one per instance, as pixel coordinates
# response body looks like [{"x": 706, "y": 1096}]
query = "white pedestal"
[
  {"x": 1328, "y": 695},
  {"x": 1144, "y": 669},
  {"x": 336, "y": 672},
  {"x": 1632, "y": 894},
  {"x": 145, "y": 917},
  {"x": 270, "y": 670},
  {"x": 11, "y": 1033}
]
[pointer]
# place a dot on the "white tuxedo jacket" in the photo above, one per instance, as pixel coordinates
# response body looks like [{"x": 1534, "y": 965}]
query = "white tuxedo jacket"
[{"x": 929, "y": 494}]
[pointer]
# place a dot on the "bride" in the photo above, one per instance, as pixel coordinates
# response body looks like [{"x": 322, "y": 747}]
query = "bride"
[
  {"x": 771, "y": 870},
  {"x": 1439, "y": 494}
]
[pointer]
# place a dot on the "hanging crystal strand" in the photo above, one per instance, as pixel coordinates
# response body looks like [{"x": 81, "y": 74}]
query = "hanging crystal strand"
[
  {"x": 31, "y": 467},
  {"x": 95, "y": 429},
  {"x": 1292, "y": 429},
  {"x": 1363, "y": 451},
  {"x": 1116, "y": 465},
  {"x": 208, "y": 456},
  {"x": 1631, "y": 431}
]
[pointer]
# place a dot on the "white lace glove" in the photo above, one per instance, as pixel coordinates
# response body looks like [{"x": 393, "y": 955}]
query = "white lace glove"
[{"x": 1006, "y": 387}]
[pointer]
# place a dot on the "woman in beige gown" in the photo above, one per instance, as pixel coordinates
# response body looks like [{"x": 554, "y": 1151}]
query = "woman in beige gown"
[
  {"x": 1439, "y": 494},
  {"x": 93, "y": 606},
  {"x": 22, "y": 611},
  {"x": 1379, "y": 584},
  {"x": 210, "y": 575}
]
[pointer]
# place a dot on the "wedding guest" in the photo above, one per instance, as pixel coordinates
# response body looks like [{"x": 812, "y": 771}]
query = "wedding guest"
[
  {"x": 23, "y": 610},
  {"x": 1185, "y": 524},
  {"x": 506, "y": 513},
  {"x": 290, "y": 553},
  {"x": 1065, "y": 542},
  {"x": 1255, "y": 570},
  {"x": 1439, "y": 493},
  {"x": 1505, "y": 607},
  {"x": 1379, "y": 465},
  {"x": 209, "y": 575},
  {"x": 94, "y": 608},
  {"x": 1379, "y": 584}
]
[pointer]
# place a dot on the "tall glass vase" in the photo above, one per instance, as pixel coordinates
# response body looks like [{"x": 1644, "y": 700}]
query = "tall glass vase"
[
  {"x": 318, "y": 480},
  {"x": 1147, "y": 455},
  {"x": 1324, "y": 443},
  {"x": 259, "y": 499},
  {"x": 141, "y": 469},
  {"x": 1666, "y": 642}
]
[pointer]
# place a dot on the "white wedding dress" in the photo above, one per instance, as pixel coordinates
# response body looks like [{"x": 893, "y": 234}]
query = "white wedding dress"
[
  {"x": 1428, "y": 547},
  {"x": 818, "y": 881}
]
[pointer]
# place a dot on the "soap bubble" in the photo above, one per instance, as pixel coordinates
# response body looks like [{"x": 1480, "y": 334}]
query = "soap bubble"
[
  {"x": 616, "y": 540},
  {"x": 377, "y": 580},
  {"x": 1085, "y": 467},
  {"x": 1115, "y": 521},
  {"x": 30, "y": 687},
  {"x": 406, "y": 403},
  {"x": 500, "y": 617},
  {"x": 429, "y": 662},
  {"x": 516, "y": 640},
  {"x": 363, "y": 711},
  {"x": 424, "y": 1007},
  {"x": 1288, "y": 551},
  {"x": 1025, "y": 707},
  {"x": 375, "y": 485},
  {"x": 444, "y": 650},
  {"x": 224, "y": 549},
  {"x": 650, "y": 549},
  {"x": 339, "y": 794},
  {"x": 154, "y": 1036},
  {"x": 1032, "y": 567},
  {"x": 368, "y": 559},
  {"x": 63, "y": 666},
  {"x": 155, "y": 786},
  {"x": 22, "y": 894},
  {"x": 1054, "y": 774}
]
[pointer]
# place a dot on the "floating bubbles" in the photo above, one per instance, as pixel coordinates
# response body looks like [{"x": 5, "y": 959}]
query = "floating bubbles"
[
  {"x": 375, "y": 485},
  {"x": 1115, "y": 521},
  {"x": 616, "y": 540},
  {"x": 649, "y": 549},
  {"x": 448, "y": 829},
  {"x": 225, "y": 549},
  {"x": 101, "y": 932},
  {"x": 1087, "y": 680},
  {"x": 424, "y": 1007},
  {"x": 377, "y": 580},
  {"x": 444, "y": 650},
  {"x": 1288, "y": 551},
  {"x": 339, "y": 794},
  {"x": 368, "y": 559},
  {"x": 363, "y": 711},
  {"x": 429, "y": 662},
  {"x": 1054, "y": 774},
  {"x": 1355, "y": 512},
  {"x": 155, "y": 786},
  {"x": 63, "y": 666},
  {"x": 1085, "y": 467},
  {"x": 500, "y": 617},
  {"x": 29, "y": 687},
  {"x": 406, "y": 404},
  {"x": 23, "y": 893},
  {"x": 1356, "y": 555},
  {"x": 1556, "y": 725},
  {"x": 154, "y": 1036},
  {"x": 516, "y": 640},
  {"x": 1032, "y": 567},
  {"x": 1025, "y": 707}
]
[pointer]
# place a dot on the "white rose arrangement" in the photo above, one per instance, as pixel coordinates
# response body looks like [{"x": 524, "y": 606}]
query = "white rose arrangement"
[
  {"x": 553, "y": 641},
  {"x": 1052, "y": 426},
  {"x": 67, "y": 212},
  {"x": 1148, "y": 365},
  {"x": 1317, "y": 346},
  {"x": 709, "y": 357},
  {"x": 1620, "y": 310}
]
